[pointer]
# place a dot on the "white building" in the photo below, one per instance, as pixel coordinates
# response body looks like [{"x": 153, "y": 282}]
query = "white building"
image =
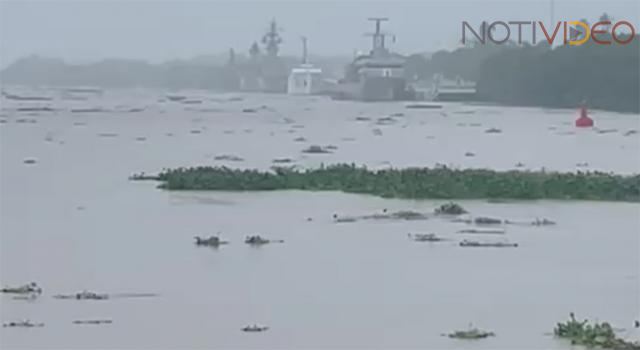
[{"x": 304, "y": 80}]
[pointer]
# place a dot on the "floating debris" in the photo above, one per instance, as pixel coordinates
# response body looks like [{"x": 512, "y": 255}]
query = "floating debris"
[
  {"x": 298, "y": 126},
  {"x": 141, "y": 138},
  {"x": 362, "y": 119},
  {"x": 536, "y": 222},
  {"x": 257, "y": 240},
  {"x": 519, "y": 165},
  {"x": 481, "y": 220},
  {"x": 282, "y": 160},
  {"x": 408, "y": 215},
  {"x": 22, "y": 324},
  {"x": 344, "y": 219},
  {"x": 582, "y": 165},
  {"x": 331, "y": 147},
  {"x": 482, "y": 231},
  {"x": 428, "y": 237},
  {"x": 255, "y": 328},
  {"x": 543, "y": 222},
  {"x": 450, "y": 208},
  {"x": 606, "y": 131},
  {"x": 469, "y": 154},
  {"x": 348, "y": 139},
  {"x": 315, "y": 149},
  {"x": 35, "y": 109},
  {"x": 176, "y": 98},
  {"x": 493, "y": 131},
  {"x": 30, "y": 161},
  {"x": 26, "y": 120},
  {"x": 93, "y": 322},
  {"x": 299, "y": 139},
  {"x": 25, "y": 98},
  {"x": 396, "y": 115},
  {"x": 213, "y": 241},
  {"x": 249, "y": 110},
  {"x": 88, "y": 110},
  {"x": 229, "y": 157},
  {"x": 399, "y": 215},
  {"x": 423, "y": 106},
  {"x": 31, "y": 288},
  {"x": 84, "y": 295},
  {"x": 377, "y": 132},
  {"x": 108, "y": 134},
  {"x": 195, "y": 131},
  {"x": 475, "y": 124},
  {"x": 472, "y": 333},
  {"x": 630, "y": 132},
  {"x": 466, "y": 243},
  {"x": 191, "y": 102},
  {"x": 229, "y": 132},
  {"x": 385, "y": 121}
]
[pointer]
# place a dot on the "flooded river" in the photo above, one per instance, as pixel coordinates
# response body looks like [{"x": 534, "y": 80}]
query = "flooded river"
[{"x": 72, "y": 220}]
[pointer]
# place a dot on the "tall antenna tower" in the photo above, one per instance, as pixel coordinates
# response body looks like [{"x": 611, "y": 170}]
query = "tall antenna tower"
[
  {"x": 272, "y": 39},
  {"x": 378, "y": 37}
]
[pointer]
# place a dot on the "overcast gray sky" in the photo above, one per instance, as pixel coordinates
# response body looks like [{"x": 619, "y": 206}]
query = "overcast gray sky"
[{"x": 159, "y": 30}]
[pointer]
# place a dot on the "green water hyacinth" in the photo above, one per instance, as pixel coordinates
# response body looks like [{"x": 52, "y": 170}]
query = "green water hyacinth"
[
  {"x": 592, "y": 335},
  {"x": 414, "y": 183}
]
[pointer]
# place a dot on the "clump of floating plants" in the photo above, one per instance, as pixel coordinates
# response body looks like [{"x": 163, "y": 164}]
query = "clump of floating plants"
[
  {"x": 592, "y": 335},
  {"x": 471, "y": 333},
  {"x": 451, "y": 209},
  {"x": 436, "y": 183}
]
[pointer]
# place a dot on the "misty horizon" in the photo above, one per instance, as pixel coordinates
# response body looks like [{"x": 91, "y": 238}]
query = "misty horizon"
[{"x": 170, "y": 31}]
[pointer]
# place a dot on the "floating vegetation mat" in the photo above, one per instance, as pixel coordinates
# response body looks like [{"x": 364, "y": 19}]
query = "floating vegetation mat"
[{"x": 435, "y": 183}]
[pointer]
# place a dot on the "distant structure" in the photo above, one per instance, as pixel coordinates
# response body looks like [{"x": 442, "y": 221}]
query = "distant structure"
[
  {"x": 304, "y": 79},
  {"x": 452, "y": 90},
  {"x": 272, "y": 40},
  {"x": 265, "y": 73},
  {"x": 376, "y": 76}
]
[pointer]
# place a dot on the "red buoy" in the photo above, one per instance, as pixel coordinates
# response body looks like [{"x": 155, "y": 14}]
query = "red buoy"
[{"x": 584, "y": 121}]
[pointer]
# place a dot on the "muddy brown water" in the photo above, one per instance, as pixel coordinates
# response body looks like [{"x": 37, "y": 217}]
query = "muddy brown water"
[{"x": 73, "y": 221}]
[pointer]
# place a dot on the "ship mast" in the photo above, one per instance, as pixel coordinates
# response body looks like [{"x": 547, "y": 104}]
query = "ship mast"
[
  {"x": 378, "y": 36},
  {"x": 304, "y": 50},
  {"x": 272, "y": 39}
]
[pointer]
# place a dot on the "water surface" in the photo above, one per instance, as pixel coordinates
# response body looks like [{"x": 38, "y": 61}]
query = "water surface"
[{"x": 73, "y": 221}]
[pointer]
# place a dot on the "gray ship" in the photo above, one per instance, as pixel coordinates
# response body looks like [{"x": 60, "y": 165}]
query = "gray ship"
[
  {"x": 376, "y": 76},
  {"x": 264, "y": 72}
]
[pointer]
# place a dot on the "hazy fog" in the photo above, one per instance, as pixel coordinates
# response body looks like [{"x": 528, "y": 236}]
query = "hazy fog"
[{"x": 163, "y": 30}]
